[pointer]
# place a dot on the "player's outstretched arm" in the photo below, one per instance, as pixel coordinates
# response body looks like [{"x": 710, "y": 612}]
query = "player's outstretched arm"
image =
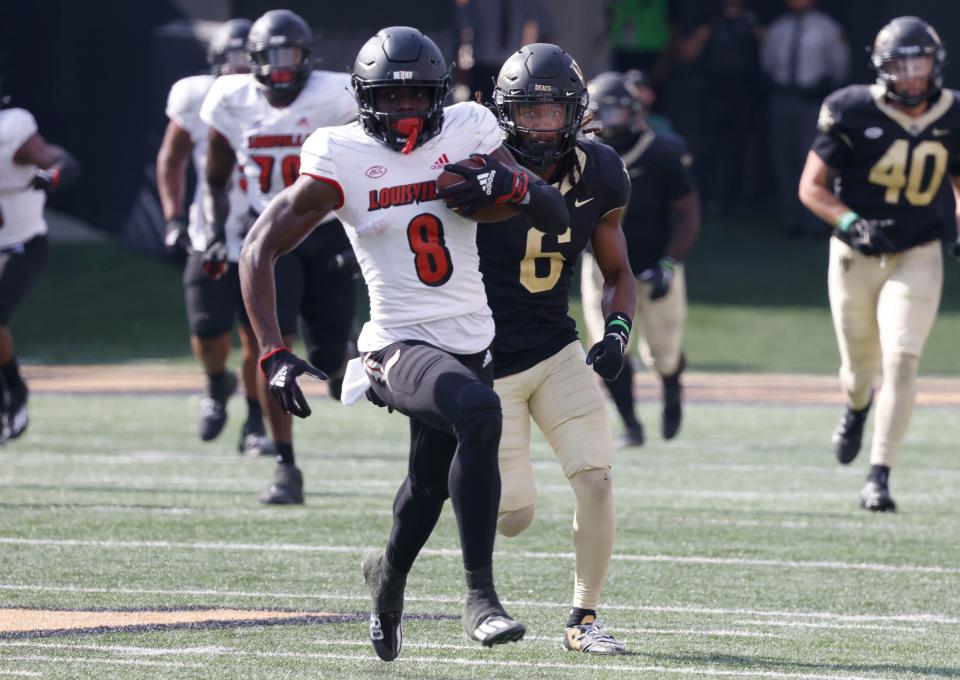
[
  {"x": 955, "y": 246},
  {"x": 619, "y": 295},
  {"x": 172, "y": 161},
  {"x": 287, "y": 220}
]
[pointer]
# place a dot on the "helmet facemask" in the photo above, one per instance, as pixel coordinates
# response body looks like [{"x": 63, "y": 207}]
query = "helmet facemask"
[
  {"x": 401, "y": 130},
  {"x": 284, "y": 68},
  {"x": 910, "y": 79},
  {"x": 540, "y": 130}
]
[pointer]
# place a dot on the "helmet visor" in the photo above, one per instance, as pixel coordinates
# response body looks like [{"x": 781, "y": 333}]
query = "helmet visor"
[
  {"x": 235, "y": 61},
  {"x": 280, "y": 57},
  {"x": 542, "y": 118},
  {"x": 900, "y": 69}
]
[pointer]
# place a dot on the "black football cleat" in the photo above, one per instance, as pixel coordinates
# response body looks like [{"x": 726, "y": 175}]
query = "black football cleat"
[
  {"x": 213, "y": 412},
  {"x": 848, "y": 436},
  {"x": 875, "y": 496},
  {"x": 16, "y": 416},
  {"x": 486, "y": 621},
  {"x": 386, "y": 592},
  {"x": 590, "y": 637},
  {"x": 286, "y": 488}
]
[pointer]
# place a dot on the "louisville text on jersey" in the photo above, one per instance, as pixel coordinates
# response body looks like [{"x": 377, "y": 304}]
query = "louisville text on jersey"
[{"x": 403, "y": 194}]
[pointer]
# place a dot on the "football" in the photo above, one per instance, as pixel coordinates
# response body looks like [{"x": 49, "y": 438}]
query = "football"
[{"x": 486, "y": 213}]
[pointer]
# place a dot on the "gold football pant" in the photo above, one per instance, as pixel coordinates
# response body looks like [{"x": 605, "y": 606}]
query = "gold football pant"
[
  {"x": 883, "y": 309},
  {"x": 657, "y": 323},
  {"x": 563, "y": 398}
]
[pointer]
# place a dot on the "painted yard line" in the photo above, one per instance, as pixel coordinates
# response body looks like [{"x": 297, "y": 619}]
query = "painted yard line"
[
  {"x": 721, "y": 632},
  {"x": 459, "y": 661},
  {"x": 824, "y": 470},
  {"x": 87, "y": 659},
  {"x": 922, "y": 617},
  {"x": 22, "y": 674},
  {"x": 837, "y": 626},
  {"x": 649, "y": 517},
  {"x": 510, "y": 554}
]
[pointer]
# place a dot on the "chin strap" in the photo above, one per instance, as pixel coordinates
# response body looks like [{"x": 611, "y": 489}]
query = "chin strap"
[{"x": 410, "y": 128}]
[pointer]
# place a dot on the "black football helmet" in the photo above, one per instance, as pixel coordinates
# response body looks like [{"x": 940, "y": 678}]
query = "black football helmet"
[
  {"x": 537, "y": 74},
  {"x": 400, "y": 56},
  {"x": 615, "y": 107},
  {"x": 902, "y": 39},
  {"x": 279, "y": 45},
  {"x": 228, "y": 49}
]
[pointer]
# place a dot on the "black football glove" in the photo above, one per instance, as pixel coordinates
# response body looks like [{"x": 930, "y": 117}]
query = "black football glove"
[
  {"x": 45, "y": 180},
  {"x": 215, "y": 261},
  {"x": 491, "y": 184},
  {"x": 282, "y": 367},
  {"x": 606, "y": 356},
  {"x": 868, "y": 237},
  {"x": 176, "y": 239},
  {"x": 660, "y": 277}
]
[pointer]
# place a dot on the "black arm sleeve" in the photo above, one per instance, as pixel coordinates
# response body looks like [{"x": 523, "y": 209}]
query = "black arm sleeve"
[{"x": 546, "y": 207}]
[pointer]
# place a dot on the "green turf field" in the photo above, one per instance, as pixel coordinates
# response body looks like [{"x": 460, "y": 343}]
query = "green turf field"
[{"x": 740, "y": 551}]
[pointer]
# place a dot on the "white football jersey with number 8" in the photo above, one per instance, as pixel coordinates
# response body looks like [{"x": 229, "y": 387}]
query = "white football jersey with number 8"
[{"x": 418, "y": 258}]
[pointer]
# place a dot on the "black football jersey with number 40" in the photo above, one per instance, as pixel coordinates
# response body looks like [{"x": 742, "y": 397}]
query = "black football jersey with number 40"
[
  {"x": 527, "y": 273},
  {"x": 891, "y": 166}
]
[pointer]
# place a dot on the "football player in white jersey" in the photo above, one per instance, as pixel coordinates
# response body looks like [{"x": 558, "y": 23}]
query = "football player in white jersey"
[
  {"x": 425, "y": 348},
  {"x": 212, "y": 305},
  {"x": 30, "y": 168},
  {"x": 259, "y": 121}
]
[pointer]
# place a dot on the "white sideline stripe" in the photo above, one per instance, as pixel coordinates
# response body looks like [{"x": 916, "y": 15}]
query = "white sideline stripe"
[
  {"x": 722, "y": 632},
  {"x": 457, "y": 661},
  {"x": 447, "y": 552},
  {"x": 923, "y": 617},
  {"x": 87, "y": 659},
  {"x": 837, "y": 626},
  {"x": 24, "y": 674}
]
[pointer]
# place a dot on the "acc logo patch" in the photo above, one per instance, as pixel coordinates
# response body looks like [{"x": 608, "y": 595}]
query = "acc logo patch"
[
  {"x": 375, "y": 171},
  {"x": 873, "y": 133}
]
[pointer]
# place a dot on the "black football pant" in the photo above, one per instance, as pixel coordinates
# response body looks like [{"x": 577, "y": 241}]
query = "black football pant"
[{"x": 455, "y": 423}]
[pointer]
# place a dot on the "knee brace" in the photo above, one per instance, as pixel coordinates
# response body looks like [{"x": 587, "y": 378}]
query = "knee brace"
[{"x": 514, "y": 522}]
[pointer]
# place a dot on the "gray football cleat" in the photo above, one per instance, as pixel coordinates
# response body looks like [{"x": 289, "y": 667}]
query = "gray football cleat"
[
  {"x": 386, "y": 592},
  {"x": 848, "y": 436},
  {"x": 590, "y": 637},
  {"x": 286, "y": 488}
]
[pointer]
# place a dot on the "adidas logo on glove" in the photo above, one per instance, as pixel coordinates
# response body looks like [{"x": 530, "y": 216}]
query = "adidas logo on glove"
[
  {"x": 485, "y": 180},
  {"x": 280, "y": 379}
]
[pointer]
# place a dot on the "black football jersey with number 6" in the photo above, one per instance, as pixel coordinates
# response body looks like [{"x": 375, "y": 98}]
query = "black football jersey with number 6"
[
  {"x": 527, "y": 272},
  {"x": 891, "y": 166}
]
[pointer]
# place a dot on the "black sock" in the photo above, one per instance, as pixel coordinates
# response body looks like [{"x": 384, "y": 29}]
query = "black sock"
[
  {"x": 879, "y": 474},
  {"x": 577, "y": 616},
  {"x": 254, "y": 417},
  {"x": 621, "y": 389},
  {"x": 284, "y": 453},
  {"x": 11, "y": 376},
  {"x": 217, "y": 385}
]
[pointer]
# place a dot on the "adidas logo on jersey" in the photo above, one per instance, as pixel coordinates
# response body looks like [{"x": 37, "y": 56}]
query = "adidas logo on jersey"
[
  {"x": 440, "y": 162},
  {"x": 486, "y": 181},
  {"x": 280, "y": 379}
]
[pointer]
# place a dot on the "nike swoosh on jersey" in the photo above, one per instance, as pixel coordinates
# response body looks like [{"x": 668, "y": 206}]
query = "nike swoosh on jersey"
[{"x": 577, "y": 202}]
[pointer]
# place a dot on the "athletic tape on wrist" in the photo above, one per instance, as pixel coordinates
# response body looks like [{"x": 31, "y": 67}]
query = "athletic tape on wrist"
[{"x": 846, "y": 219}]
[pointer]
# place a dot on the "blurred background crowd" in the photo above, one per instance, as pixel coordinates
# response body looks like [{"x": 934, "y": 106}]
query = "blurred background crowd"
[{"x": 741, "y": 80}]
